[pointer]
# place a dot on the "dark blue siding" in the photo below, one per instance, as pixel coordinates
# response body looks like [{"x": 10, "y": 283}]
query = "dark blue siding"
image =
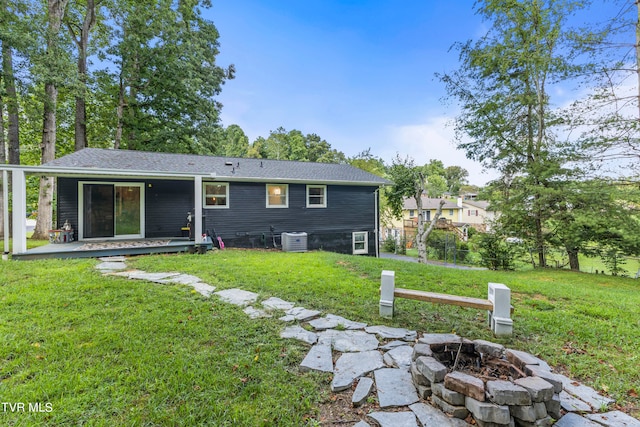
[{"x": 248, "y": 222}]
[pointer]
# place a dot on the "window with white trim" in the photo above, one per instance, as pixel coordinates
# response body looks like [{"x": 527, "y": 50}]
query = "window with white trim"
[
  {"x": 216, "y": 195},
  {"x": 360, "y": 241},
  {"x": 316, "y": 196},
  {"x": 277, "y": 195}
]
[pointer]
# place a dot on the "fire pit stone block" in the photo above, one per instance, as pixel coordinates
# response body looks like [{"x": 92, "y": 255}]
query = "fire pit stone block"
[
  {"x": 489, "y": 348},
  {"x": 539, "y": 389},
  {"x": 433, "y": 370},
  {"x": 466, "y": 384},
  {"x": 421, "y": 350},
  {"x": 503, "y": 392},
  {"x": 456, "y": 411},
  {"x": 449, "y": 396},
  {"x": 488, "y": 412},
  {"x": 554, "y": 379}
]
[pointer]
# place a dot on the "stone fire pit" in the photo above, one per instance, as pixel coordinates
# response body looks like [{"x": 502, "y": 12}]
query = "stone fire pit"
[{"x": 480, "y": 379}]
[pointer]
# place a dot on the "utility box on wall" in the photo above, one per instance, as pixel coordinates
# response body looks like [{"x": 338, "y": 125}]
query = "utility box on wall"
[{"x": 294, "y": 242}]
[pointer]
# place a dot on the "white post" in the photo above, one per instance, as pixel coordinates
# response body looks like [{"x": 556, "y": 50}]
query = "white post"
[
  {"x": 387, "y": 289},
  {"x": 5, "y": 212},
  {"x": 500, "y": 320},
  {"x": 197, "y": 215},
  {"x": 19, "y": 190}
]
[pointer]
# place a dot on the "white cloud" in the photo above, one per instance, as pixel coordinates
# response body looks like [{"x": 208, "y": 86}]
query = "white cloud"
[{"x": 433, "y": 139}]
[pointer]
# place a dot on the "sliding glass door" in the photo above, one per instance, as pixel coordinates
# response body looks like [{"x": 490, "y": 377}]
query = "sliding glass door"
[{"x": 111, "y": 210}]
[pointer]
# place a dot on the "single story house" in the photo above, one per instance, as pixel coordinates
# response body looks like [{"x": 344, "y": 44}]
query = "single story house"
[{"x": 106, "y": 194}]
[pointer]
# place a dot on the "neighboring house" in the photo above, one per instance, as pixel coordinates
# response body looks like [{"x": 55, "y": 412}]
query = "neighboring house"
[
  {"x": 477, "y": 214},
  {"x": 407, "y": 225},
  {"x": 118, "y": 194}
]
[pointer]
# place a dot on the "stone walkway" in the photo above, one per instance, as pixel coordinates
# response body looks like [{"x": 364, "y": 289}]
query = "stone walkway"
[{"x": 380, "y": 369}]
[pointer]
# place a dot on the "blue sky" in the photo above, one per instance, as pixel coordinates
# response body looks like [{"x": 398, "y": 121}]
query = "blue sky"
[{"x": 358, "y": 73}]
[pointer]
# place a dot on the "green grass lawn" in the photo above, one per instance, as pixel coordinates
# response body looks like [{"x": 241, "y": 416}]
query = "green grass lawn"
[{"x": 111, "y": 351}]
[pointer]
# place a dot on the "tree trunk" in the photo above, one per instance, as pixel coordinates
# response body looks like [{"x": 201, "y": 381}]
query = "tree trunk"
[
  {"x": 119, "y": 112},
  {"x": 574, "y": 262},
  {"x": 44, "y": 222},
  {"x": 82, "y": 42},
  {"x": 423, "y": 234},
  {"x": 12, "y": 105},
  {"x": 638, "y": 54}
]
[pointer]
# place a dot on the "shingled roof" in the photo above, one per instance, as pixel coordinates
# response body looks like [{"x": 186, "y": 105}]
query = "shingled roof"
[{"x": 228, "y": 168}]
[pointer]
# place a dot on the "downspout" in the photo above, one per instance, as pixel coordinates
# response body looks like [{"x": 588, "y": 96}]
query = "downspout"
[
  {"x": 5, "y": 212},
  {"x": 377, "y": 222},
  {"x": 197, "y": 218}
]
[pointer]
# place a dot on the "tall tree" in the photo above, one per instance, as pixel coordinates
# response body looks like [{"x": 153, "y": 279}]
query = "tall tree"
[
  {"x": 502, "y": 86},
  {"x": 411, "y": 181},
  {"x": 53, "y": 59},
  {"x": 80, "y": 27},
  {"x": 168, "y": 77},
  {"x": 456, "y": 177},
  {"x": 608, "y": 117}
]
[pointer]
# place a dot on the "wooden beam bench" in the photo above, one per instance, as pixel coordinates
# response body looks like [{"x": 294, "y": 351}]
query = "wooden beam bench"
[{"x": 498, "y": 303}]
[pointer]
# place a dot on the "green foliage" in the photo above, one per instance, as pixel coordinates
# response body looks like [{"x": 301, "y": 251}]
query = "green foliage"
[
  {"x": 498, "y": 254},
  {"x": 293, "y": 145}
]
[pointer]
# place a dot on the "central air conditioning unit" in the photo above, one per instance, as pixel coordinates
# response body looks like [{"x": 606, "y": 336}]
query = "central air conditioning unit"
[{"x": 294, "y": 242}]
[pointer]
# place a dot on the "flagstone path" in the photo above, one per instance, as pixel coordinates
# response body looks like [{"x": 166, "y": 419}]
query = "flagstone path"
[{"x": 380, "y": 369}]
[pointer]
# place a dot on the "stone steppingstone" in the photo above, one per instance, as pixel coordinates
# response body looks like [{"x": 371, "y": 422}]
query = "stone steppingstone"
[
  {"x": 585, "y": 393},
  {"x": 554, "y": 379},
  {"x": 394, "y": 419},
  {"x": 449, "y": 396},
  {"x": 302, "y": 314},
  {"x": 421, "y": 349},
  {"x": 362, "y": 424},
  {"x": 460, "y": 412},
  {"x": 143, "y": 275},
  {"x": 399, "y": 357},
  {"x": 575, "y": 420},
  {"x": 117, "y": 258},
  {"x": 387, "y": 332},
  {"x": 299, "y": 333},
  {"x": 430, "y": 416},
  {"x": 393, "y": 344},
  {"x": 395, "y": 388},
  {"x": 488, "y": 412},
  {"x": 573, "y": 404},
  {"x": 111, "y": 266},
  {"x": 274, "y": 303},
  {"x": 614, "y": 419},
  {"x": 466, "y": 384},
  {"x": 521, "y": 359},
  {"x": 539, "y": 389},
  {"x": 348, "y": 341},
  {"x": 354, "y": 365},
  {"x": 432, "y": 370},
  {"x": 203, "y": 289},
  {"x": 237, "y": 297},
  {"x": 362, "y": 391},
  {"x": 331, "y": 321},
  {"x": 503, "y": 392},
  {"x": 181, "y": 279},
  {"x": 489, "y": 348},
  {"x": 255, "y": 313},
  {"x": 318, "y": 359}
]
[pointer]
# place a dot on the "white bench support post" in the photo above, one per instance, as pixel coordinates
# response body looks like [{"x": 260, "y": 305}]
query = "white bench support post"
[
  {"x": 500, "y": 319},
  {"x": 387, "y": 289}
]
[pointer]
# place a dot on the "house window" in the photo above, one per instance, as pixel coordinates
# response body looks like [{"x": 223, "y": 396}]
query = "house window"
[
  {"x": 412, "y": 213},
  {"x": 360, "y": 242},
  {"x": 316, "y": 196},
  {"x": 450, "y": 212},
  {"x": 216, "y": 195},
  {"x": 277, "y": 195}
]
